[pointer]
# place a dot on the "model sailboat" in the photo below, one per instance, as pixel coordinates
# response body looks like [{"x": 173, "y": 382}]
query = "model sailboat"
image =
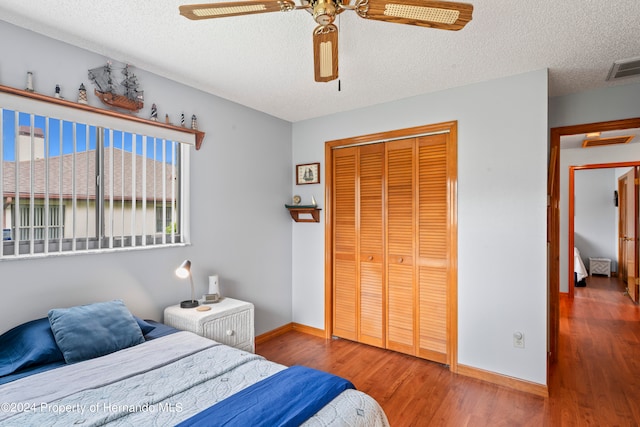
[{"x": 124, "y": 94}]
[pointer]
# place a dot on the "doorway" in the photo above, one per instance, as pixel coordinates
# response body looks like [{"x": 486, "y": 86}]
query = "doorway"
[
  {"x": 627, "y": 199},
  {"x": 554, "y": 218}
]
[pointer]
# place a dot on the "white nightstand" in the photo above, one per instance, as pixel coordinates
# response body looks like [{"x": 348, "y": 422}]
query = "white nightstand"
[{"x": 229, "y": 322}]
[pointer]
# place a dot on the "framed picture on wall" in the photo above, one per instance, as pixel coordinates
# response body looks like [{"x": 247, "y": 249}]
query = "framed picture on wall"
[{"x": 308, "y": 173}]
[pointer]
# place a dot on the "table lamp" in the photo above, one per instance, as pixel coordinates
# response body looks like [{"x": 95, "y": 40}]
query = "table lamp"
[{"x": 183, "y": 272}]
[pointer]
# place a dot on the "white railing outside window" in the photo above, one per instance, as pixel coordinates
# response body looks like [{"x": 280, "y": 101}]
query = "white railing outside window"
[{"x": 72, "y": 185}]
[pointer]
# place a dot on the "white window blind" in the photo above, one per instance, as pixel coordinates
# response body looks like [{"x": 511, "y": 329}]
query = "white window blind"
[{"x": 76, "y": 181}]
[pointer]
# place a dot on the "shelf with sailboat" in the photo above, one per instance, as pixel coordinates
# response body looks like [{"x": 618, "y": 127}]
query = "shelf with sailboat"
[{"x": 199, "y": 135}]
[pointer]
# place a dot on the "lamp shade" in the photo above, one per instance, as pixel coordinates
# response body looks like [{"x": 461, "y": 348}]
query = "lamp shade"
[{"x": 184, "y": 270}]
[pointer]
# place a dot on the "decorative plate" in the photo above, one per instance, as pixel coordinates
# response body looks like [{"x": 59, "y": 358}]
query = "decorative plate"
[{"x": 296, "y": 199}]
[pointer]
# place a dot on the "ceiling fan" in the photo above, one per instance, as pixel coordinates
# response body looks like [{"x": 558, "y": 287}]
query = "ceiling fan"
[{"x": 442, "y": 15}]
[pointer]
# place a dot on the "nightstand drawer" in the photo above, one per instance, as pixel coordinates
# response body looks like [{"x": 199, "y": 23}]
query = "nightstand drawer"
[{"x": 234, "y": 330}]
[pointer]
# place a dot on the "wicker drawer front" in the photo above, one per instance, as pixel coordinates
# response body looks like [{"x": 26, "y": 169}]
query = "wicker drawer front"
[
  {"x": 175, "y": 320},
  {"x": 235, "y": 330}
]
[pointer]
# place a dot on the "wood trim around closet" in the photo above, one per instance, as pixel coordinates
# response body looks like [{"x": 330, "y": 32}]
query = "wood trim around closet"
[{"x": 452, "y": 228}]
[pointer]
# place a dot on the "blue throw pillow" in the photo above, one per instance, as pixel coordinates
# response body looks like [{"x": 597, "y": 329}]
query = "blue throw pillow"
[
  {"x": 27, "y": 345},
  {"x": 145, "y": 327},
  {"x": 93, "y": 330}
]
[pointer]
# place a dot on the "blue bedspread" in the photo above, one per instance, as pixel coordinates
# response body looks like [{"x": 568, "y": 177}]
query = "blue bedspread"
[{"x": 287, "y": 398}]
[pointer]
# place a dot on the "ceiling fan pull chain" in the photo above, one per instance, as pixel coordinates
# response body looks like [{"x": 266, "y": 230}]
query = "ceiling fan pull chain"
[{"x": 339, "y": 29}]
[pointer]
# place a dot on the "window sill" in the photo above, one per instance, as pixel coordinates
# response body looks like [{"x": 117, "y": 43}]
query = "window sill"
[{"x": 43, "y": 255}]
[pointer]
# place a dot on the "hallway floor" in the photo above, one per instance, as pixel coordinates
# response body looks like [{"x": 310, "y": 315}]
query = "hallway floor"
[{"x": 597, "y": 377}]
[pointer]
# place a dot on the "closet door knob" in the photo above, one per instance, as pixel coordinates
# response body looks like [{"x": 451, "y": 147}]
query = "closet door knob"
[
  {"x": 370, "y": 258},
  {"x": 400, "y": 260}
]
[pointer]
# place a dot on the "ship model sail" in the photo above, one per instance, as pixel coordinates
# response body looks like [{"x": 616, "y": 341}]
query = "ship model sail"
[{"x": 122, "y": 94}]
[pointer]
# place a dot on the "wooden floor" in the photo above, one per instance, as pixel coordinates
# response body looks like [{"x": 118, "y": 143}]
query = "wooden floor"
[{"x": 596, "y": 381}]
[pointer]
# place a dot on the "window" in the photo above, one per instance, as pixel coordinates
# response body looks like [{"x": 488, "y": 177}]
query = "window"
[
  {"x": 164, "y": 221},
  {"x": 70, "y": 185},
  {"x": 55, "y": 218}
]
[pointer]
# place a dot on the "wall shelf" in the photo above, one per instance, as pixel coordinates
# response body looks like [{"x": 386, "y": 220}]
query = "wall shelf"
[
  {"x": 296, "y": 210},
  {"x": 199, "y": 135}
]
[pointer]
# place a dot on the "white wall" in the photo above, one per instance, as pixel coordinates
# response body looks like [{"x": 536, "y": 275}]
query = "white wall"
[
  {"x": 502, "y": 164},
  {"x": 596, "y": 216},
  {"x": 599, "y": 105},
  {"x": 614, "y": 103},
  {"x": 240, "y": 179}
]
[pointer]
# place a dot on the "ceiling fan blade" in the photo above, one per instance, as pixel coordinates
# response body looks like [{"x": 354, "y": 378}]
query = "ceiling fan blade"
[
  {"x": 442, "y": 15},
  {"x": 234, "y": 8},
  {"x": 325, "y": 52}
]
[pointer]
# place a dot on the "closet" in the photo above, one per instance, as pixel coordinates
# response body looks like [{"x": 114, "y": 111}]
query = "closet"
[{"x": 392, "y": 236}]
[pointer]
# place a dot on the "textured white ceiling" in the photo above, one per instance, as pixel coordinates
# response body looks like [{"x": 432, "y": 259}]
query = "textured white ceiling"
[{"x": 265, "y": 61}]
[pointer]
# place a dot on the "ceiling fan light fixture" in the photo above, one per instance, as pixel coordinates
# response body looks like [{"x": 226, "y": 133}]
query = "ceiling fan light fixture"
[
  {"x": 420, "y": 13},
  {"x": 325, "y": 52},
  {"x": 326, "y": 59}
]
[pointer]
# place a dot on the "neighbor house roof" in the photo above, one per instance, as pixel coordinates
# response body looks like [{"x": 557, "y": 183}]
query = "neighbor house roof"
[
  {"x": 26, "y": 131},
  {"x": 85, "y": 171}
]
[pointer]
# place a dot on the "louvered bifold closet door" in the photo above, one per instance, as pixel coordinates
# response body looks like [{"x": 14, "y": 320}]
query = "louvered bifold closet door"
[
  {"x": 371, "y": 244},
  {"x": 400, "y": 246},
  {"x": 345, "y": 322},
  {"x": 393, "y": 231},
  {"x": 433, "y": 247}
]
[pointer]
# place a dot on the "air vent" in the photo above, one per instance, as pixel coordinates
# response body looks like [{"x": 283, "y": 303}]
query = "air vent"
[
  {"x": 624, "y": 68},
  {"x": 587, "y": 143}
]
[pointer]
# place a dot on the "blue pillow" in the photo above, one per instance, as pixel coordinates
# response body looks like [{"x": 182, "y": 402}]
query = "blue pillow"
[
  {"x": 26, "y": 345},
  {"x": 88, "y": 331},
  {"x": 144, "y": 326}
]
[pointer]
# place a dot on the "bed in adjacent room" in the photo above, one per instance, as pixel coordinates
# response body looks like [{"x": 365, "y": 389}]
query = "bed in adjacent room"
[
  {"x": 580, "y": 271},
  {"x": 99, "y": 365}
]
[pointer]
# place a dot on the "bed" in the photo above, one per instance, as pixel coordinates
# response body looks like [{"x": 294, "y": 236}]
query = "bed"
[
  {"x": 99, "y": 365},
  {"x": 580, "y": 271}
]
